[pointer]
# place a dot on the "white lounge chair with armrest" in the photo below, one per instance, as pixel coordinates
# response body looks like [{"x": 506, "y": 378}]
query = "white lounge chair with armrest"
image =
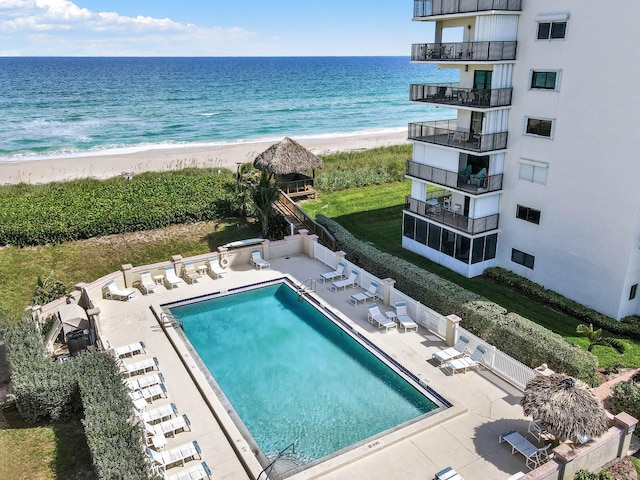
[
  {"x": 448, "y": 474},
  {"x": 466, "y": 362},
  {"x": 349, "y": 282},
  {"x": 158, "y": 414},
  {"x": 377, "y": 317},
  {"x": 148, "y": 395},
  {"x": 214, "y": 268},
  {"x": 162, "y": 460},
  {"x": 337, "y": 274},
  {"x": 144, "y": 382},
  {"x": 170, "y": 277},
  {"x": 130, "y": 349},
  {"x": 113, "y": 292},
  {"x": 534, "y": 456},
  {"x": 189, "y": 273},
  {"x": 257, "y": 260},
  {"x": 403, "y": 317},
  {"x": 452, "y": 352},
  {"x": 197, "y": 472},
  {"x": 370, "y": 294},
  {"x": 142, "y": 366},
  {"x": 146, "y": 284},
  {"x": 168, "y": 427}
]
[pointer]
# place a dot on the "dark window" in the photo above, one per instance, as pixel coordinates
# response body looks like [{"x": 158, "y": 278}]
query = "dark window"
[
  {"x": 421, "y": 231},
  {"x": 409, "y": 226},
  {"x": 448, "y": 242},
  {"x": 491, "y": 244},
  {"x": 547, "y": 30},
  {"x": 528, "y": 214},
  {"x": 463, "y": 245},
  {"x": 522, "y": 258},
  {"x": 478, "y": 250},
  {"x": 537, "y": 126},
  {"x": 434, "y": 237},
  {"x": 546, "y": 80},
  {"x": 633, "y": 291}
]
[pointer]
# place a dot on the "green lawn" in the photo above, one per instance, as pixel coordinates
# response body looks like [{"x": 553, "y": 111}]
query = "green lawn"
[{"x": 374, "y": 214}]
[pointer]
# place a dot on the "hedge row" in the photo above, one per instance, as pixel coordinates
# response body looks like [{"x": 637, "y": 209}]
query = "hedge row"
[
  {"x": 58, "y": 212},
  {"x": 515, "y": 335},
  {"x": 587, "y": 315},
  {"x": 44, "y": 389}
]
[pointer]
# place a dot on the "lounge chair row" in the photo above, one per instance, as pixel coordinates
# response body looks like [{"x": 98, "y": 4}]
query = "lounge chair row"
[
  {"x": 388, "y": 319},
  {"x": 457, "y": 359}
]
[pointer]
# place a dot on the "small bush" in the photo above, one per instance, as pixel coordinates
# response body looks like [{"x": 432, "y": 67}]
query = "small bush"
[
  {"x": 626, "y": 398},
  {"x": 586, "y": 475}
]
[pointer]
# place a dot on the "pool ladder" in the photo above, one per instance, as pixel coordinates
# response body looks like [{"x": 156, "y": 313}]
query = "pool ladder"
[
  {"x": 172, "y": 319},
  {"x": 268, "y": 469},
  {"x": 303, "y": 288}
]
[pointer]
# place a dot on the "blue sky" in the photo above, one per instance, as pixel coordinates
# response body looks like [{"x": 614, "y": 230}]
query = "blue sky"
[{"x": 208, "y": 27}]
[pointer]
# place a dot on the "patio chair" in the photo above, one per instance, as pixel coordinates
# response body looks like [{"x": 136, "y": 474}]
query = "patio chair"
[
  {"x": 190, "y": 274},
  {"x": 115, "y": 293},
  {"x": 466, "y": 362},
  {"x": 146, "y": 284},
  {"x": 534, "y": 456},
  {"x": 139, "y": 367},
  {"x": 257, "y": 260},
  {"x": 170, "y": 277},
  {"x": 337, "y": 274},
  {"x": 130, "y": 349},
  {"x": 197, "y": 472},
  {"x": 448, "y": 474},
  {"x": 144, "y": 382},
  {"x": 370, "y": 294},
  {"x": 537, "y": 430},
  {"x": 141, "y": 398},
  {"x": 477, "y": 179},
  {"x": 163, "y": 460},
  {"x": 168, "y": 427},
  {"x": 349, "y": 282},
  {"x": 376, "y": 316},
  {"x": 452, "y": 352},
  {"x": 214, "y": 268},
  {"x": 157, "y": 414},
  {"x": 403, "y": 317}
]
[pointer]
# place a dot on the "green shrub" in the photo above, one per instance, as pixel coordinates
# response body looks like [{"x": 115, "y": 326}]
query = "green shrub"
[
  {"x": 626, "y": 398},
  {"x": 586, "y": 475},
  {"x": 629, "y": 326},
  {"x": 352, "y": 178},
  {"x": 515, "y": 335}
]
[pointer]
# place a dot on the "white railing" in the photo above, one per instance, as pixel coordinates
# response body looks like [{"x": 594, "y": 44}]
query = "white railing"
[
  {"x": 325, "y": 255},
  {"x": 424, "y": 316}
]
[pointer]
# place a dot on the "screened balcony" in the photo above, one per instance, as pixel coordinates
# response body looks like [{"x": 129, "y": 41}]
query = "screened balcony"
[
  {"x": 431, "y": 8},
  {"x": 452, "y": 94},
  {"x": 472, "y": 183},
  {"x": 446, "y": 133},
  {"x": 464, "y": 52},
  {"x": 435, "y": 210}
]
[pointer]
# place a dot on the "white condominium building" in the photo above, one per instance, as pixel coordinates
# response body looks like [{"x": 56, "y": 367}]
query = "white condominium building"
[{"x": 539, "y": 173}]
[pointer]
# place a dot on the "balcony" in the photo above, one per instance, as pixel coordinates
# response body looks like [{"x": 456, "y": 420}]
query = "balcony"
[
  {"x": 451, "y": 94},
  {"x": 444, "y": 132},
  {"x": 446, "y": 178},
  {"x": 432, "y": 8},
  {"x": 449, "y": 218},
  {"x": 464, "y": 52}
]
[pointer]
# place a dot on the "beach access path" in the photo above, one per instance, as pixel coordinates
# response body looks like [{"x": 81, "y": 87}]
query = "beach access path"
[{"x": 104, "y": 165}]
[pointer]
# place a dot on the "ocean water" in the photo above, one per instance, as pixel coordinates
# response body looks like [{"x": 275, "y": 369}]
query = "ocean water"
[{"x": 52, "y": 106}]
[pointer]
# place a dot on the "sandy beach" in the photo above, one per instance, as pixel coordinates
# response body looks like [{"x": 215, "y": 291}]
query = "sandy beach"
[{"x": 221, "y": 156}]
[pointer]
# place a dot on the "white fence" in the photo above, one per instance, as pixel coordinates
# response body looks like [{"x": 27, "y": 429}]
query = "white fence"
[{"x": 326, "y": 256}]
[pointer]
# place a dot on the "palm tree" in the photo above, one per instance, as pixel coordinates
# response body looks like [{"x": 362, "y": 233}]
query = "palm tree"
[
  {"x": 596, "y": 338},
  {"x": 245, "y": 175},
  {"x": 264, "y": 193}
]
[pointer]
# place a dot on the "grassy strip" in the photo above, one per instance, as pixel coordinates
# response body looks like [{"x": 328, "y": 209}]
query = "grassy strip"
[{"x": 374, "y": 214}]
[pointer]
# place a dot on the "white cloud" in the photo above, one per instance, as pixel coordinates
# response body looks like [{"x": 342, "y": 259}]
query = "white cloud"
[{"x": 60, "y": 27}]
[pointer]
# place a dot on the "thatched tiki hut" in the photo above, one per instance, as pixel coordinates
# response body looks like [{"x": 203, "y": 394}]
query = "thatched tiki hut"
[
  {"x": 565, "y": 406},
  {"x": 288, "y": 160}
]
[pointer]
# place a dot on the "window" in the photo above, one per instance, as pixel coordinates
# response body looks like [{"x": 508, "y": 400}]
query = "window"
[
  {"x": 551, "y": 30},
  {"x": 522, "y": 258},
  {"x": 539, "y": 126},
  {"x": 409, "y": 226},
  {"x": 633, "y": 291},
  {"x": 434, "y": 237},
  {"x": 421, "y": 231},
  {"x": 528, "y": 214},
  {"x": 533, "y": 171},
  {"x": 544, "y": 80}
]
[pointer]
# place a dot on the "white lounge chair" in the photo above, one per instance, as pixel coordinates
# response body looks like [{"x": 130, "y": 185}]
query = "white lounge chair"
[
  {"x": 465, "y": 362},
  {"x": 214, "y": 268},
  {"x": 448, "y": 474},
  {"x": 146, "y": 284},
  {"x": 168, "y": 427},
  {"x": 141, "y": 398},
  {"x": 141, "y": 366},
  {"x": 337, "y": 274},
  {"x": 257, "y": 260},
  {"x": 376, "y": 316},
  {"x": 370, "y": 294},
  {"x": 163, "y": 412},
  {"x": 349, "y": 282},
  {"x": 144, "y": 382},
  {"x": 179, "y": 454},
  {"x": 113, "y": 292},
  {"x": 197, "y": 472},
  {"x": 534, "y": 456},
  {"x": 130, "y": 349},
  {"x": 170, "y": 277},
  {"x": 538, "y": 431},
  {"x": 403, "y": 317},
  {"x": 189, "y": 273},
  {"x": 452, "y": 352}
]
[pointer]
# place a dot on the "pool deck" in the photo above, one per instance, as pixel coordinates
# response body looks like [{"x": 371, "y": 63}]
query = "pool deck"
[{"x": 484, "y": 405}]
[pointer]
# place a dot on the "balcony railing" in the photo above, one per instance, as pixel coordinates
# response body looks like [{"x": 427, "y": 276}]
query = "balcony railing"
[
  {"x": 444, "y": 132},
  {"x": 459, "y": 181},
  {"x": 464, "y": 51},
  {"x": 429, "y": 8},
  {"x": 452, "y": 94},
  {"x": 451, "y": 219}
]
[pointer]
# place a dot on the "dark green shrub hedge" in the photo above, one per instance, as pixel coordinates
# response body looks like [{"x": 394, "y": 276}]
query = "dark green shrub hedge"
[
  {"x": 628, "y": 326},
  {"x": 515, "y": 335}
]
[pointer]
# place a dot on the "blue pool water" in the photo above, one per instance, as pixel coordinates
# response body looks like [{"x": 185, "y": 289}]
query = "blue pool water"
[{"x": 293, "y": 376}]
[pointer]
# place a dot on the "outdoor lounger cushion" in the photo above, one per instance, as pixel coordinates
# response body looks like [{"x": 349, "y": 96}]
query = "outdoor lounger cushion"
[
  {"x": 370, "y": 294},
  {"x": 349, "y": 282},
  {"x": 214, "y": 268},
  {"x": 117, "y": 293},
  {"x": 403, "y": 317},
  {"x": 146, "y": 284},
  {"x": 257, "y": 260},
  {"x": 170, "y": 277},
  {"x": 189, "y": 273},
  {"x": 452, "y": 352},
  {"x": 377, "y": 317},
  {"x": 338, "y": 273},
  {"x": 448, "y": 474}
]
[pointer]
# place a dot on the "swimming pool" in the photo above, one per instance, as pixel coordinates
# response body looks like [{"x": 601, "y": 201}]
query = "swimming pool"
[{"x": 295, "y": 376}]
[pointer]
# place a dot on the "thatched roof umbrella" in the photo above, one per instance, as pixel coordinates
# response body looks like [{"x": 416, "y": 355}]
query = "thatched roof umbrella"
[
  {"x": 287, "y": 156},
  {"x": 566, "y": 406}
]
